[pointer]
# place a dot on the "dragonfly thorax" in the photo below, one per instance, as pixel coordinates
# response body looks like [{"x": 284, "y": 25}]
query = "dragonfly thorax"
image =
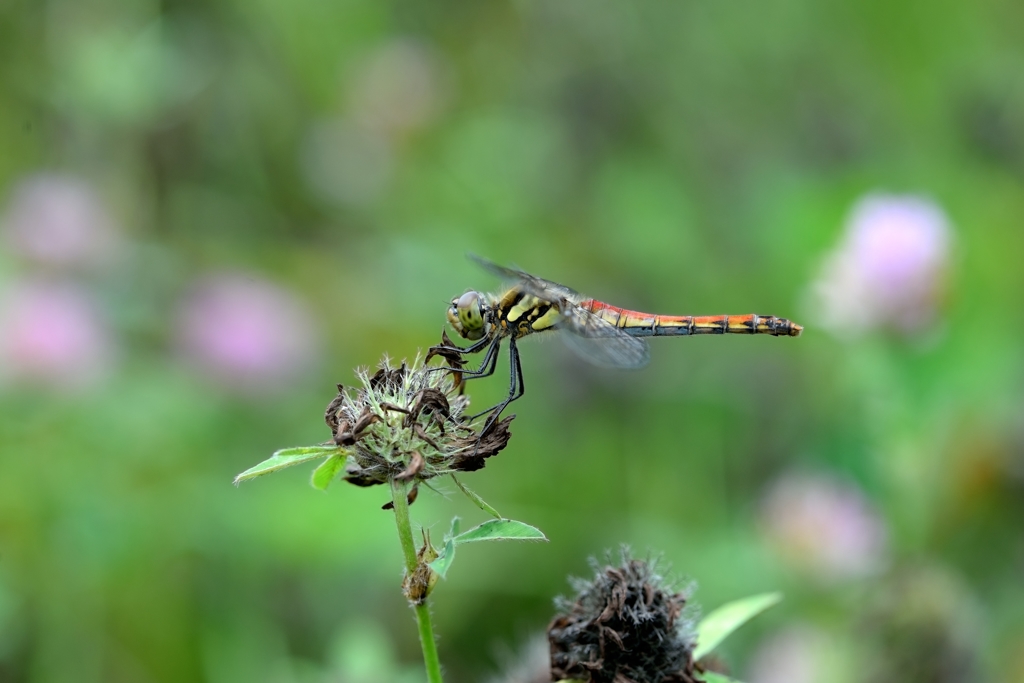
[{"x": 468, "y": 315}]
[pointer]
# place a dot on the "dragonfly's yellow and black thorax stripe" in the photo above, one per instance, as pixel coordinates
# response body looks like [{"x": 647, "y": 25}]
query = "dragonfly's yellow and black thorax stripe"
[{"x": 522, "y": 314}]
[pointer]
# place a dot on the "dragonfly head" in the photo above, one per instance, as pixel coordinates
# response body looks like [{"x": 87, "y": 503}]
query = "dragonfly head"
[{"x": 466, "y": 315}]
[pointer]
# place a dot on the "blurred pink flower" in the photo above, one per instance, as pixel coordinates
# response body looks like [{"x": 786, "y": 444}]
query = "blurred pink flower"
[
  {"x": 57, "y": 220},
  {"x": 794, "y": 655},
  {"x": 824, "y": 527},
  {"x": 399, "y": 87},
  {"x": 396, "y": 89},
  {"x": 345, "y": 163},
  {"x": 52, "y": 334},
  {"x": 245, "y": 331},
  {"x": 889, "y": 269}
]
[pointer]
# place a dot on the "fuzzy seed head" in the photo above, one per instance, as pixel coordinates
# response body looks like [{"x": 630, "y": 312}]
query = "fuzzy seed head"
[
  {"x": 407, "y": 423},
  {"x": 626, "y": 625}
]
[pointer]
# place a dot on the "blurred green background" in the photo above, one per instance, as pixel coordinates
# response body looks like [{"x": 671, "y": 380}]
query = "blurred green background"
[{"x": 211, "y": 212}]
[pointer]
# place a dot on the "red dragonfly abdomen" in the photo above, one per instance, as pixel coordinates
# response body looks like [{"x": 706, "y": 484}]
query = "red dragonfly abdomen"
[{"x": 639, "y": 324}]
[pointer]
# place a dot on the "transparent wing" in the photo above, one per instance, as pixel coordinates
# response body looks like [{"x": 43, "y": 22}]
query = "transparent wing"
[
  {"x": 589, "y": 336},
  {"x": 598, "y": 341},
  {"x": 531, "y": 284}
]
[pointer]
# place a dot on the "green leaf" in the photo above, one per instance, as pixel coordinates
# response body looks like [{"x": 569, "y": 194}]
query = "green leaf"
[
  {"x": 447, "y": 556},
  {"x": 715, "y": 627},
  {"x": 454, "y": 531},
  {"x": 501, "y": 530},
  {"x": 493, "y": 530},
  {"x": 712, "y": 677},
  {"x": 445, "y": 559},
  {"x": 477, "y": 500},
  {"x": 286, "y": 458},
  {"x": 328, "y": 469}
]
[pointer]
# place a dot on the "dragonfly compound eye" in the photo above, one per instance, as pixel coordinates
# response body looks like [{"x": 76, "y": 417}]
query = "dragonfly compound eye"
[{"x": 470, "y": 317}]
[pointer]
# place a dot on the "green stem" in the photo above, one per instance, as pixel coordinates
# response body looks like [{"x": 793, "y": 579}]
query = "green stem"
[{"x": 430, "y": 658}]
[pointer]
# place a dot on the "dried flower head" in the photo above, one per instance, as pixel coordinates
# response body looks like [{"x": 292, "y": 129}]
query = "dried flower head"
[
  {"x": 626, "y": 625},
  {"x": 407, "y": 423}
]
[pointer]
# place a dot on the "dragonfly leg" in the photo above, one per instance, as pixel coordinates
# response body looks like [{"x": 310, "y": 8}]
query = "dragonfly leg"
[
  {"x": 513, "y": 355},
  {"x": 515, "y": 390},
  {"x": 490, "y": 358},
  {"x": 440, "y": 349},
  {"x": 486, "y": 369},
  {"x": 472, "y": 348},
  {"x": 479, "y": 372}
]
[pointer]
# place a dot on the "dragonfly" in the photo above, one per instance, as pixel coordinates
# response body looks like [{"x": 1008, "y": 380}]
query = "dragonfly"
[{"x": 605, "y": 335}]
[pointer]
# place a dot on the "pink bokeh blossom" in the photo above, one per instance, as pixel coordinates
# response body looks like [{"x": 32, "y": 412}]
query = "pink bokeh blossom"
[
  {"x": 52, "y": 335},
  {"x": 794, "y": 655},
  {"x": 399, "y": 87},
  {"x": 824, "y": 527},
  {"x": 347, "y": 164},
  {"x": 395, "y": 90},
  {"x": 245, "y": 331},
  {"x": 889, "y": 269},
  {"x": 58, "y": 221}
]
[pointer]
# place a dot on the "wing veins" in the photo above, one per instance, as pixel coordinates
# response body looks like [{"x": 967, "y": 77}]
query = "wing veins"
[{"x": 588, "y": 335}]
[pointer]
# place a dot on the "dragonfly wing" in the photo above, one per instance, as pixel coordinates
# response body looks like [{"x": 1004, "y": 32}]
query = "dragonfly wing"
[
  {"x": 598, "y": 341},
  {"x": 591, "y": 337},
  {"x": 531, "y": 284}
]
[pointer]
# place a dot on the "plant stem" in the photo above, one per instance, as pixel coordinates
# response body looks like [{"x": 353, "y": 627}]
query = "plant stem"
[{"x": 430, "y": 659}]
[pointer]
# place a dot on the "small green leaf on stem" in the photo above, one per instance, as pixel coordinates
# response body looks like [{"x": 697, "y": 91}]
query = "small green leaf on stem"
[
  {"x": 286, "y": 458},
  {"x": 492, "y": 530},
  {"x": 447, "y": 556},
  {"x": 328, "y": 469},
  {"x": 477, "y": 500},
  {"x": 445, "y": 559},
  {"x": 715, "y": 627},
  {"x": 501, "y": 530}
]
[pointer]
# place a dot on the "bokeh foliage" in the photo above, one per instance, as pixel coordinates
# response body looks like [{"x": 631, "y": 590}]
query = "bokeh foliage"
[{"x": 690, "y": 157}]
